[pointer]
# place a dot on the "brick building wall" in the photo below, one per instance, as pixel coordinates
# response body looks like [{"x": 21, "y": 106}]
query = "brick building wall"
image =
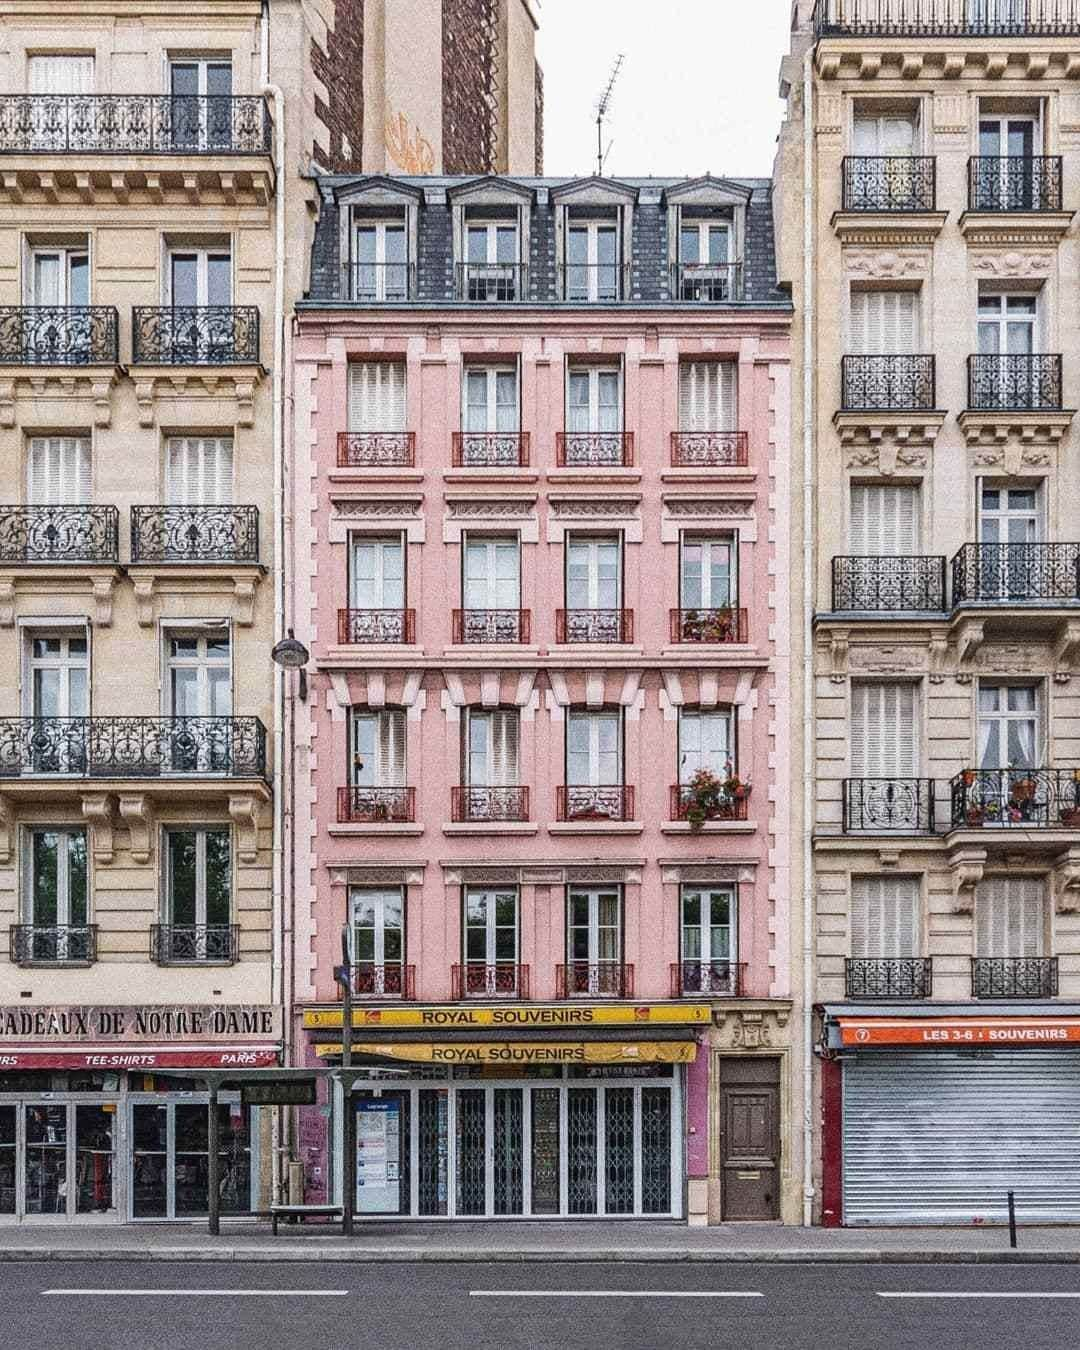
[
  {"x": 470, "y": 94},
  {"x": 341, "y": 69}
]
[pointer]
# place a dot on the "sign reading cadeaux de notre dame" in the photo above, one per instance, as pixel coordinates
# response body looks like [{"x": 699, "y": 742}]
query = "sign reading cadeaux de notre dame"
[{"x": 56, "y": 1024}]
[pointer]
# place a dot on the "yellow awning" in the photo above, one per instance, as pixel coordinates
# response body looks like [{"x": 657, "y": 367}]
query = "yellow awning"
[{"x": 524, "y": 1052}]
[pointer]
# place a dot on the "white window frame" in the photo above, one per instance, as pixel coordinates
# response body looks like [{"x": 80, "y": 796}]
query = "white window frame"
[
  {"x": 491, "y": 930},
  {"x": 708, "y": 543},
  {"x": 704, "y": 928},
  {"x": 704, "y": 229},
  {"x": 491, "y": 403},
  {"x": 491, "y": 228},
  {"x": 67, "y": 256},
  {"x": 592, "y": 264},
  {"x": 595, "y": 375},
  {"x": 706, "y": 758},
  {"x": 379, "y": 897},
  {"x": 64, "y": 663},
  {"x": 1002, "y": 716},
  {"x": 592, "y": 544},
  {"x": 1007, "y": 515},
  {"x": 489, "y": 772},
  {"x": 168, "y": 895},
  {"x": 202, "y": 254},
  {"x": 492, "y": 546},
  {"x": 595, "y": 894},
  {"x": 594, "y": 719},
  {"x": 200, "y": 662},
  {"x": 382, "y": 543},
  {"x": 381, "y": 263},
  {"x": 396, "y": 728}
]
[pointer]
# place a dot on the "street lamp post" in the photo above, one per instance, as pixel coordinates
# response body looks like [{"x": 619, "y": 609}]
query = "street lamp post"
[{"x": 348, "y": 1161}]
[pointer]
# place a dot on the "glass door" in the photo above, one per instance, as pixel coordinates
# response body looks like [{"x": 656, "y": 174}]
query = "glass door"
[
  {"x": 491, "y": 943},
  {"x": 1009, "y": 522},
  {"x": 170, "y": 1160},
  {"x": 594, "y": 940},
  {"x": 199, "y": 692},
  {"x": 378, "y": 919},
  {"x": 1006, "y": 165},
  {"x": 57, "y": 691},
  {"x": 68, "y": 1155},
  {"x": 8, "y": 1159},
  {"x": 380, "y": 269},
  {"x": 201, "y": 104}
]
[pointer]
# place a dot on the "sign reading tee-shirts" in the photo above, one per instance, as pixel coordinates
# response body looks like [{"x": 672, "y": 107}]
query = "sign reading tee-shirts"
[{"x": 378, "y": 1155}]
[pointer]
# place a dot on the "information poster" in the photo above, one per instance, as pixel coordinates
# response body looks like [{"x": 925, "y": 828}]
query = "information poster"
[{"x": 378, "y": 1156}]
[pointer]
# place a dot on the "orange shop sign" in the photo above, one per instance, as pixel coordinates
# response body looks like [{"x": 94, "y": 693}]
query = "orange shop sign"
[{"x": 967, "y": 1031}]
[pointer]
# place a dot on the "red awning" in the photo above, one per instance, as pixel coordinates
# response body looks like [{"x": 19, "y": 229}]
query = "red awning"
[{"x": 112, "y": 1057}]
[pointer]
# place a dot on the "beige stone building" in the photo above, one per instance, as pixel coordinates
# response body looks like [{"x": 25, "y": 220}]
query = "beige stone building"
[{"x": 927, "y": 177}]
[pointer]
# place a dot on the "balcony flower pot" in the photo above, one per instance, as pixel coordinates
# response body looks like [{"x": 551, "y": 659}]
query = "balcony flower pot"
[
  {"x": 975, "y": 815},
  {"x": 1023, "y": 790},
  {"x": 1070, "y": 817}
]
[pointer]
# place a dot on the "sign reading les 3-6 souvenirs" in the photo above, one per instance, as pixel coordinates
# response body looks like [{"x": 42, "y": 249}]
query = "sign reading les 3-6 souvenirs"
[{"x": 965, "y": 1031}]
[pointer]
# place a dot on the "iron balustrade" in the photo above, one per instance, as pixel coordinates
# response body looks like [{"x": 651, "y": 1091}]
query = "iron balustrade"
[
  {"x": 195, "y": 534},
  {"x": 376, "y": 805},
  {"x": 59, "y": 335},
  {"x": 381, "y": 283},
  {"x": 707, "y": 283},
  {"x": 356, "y": 626},
  {"x": 594, "y": 449},
  {"x": 1012, "y": 572},
  {"x": 1014, "y": 183},
  {"x": 482, "y": 804},
  {"x": 594, "y": 625},
  {"x": 194, "y": 944},
  {"x": 195, "y": 335},
  {"x": 709, "y": 625},
  {"x": 946, "y": 18},
  {"x": 134, "y": 124},
  {"x": 1019, "y": 382},
  {"x": 594, "y": 283},
  {"x": 498, "y": 282},
  {"x": 889, "y": 183},
  {"x": 1014, "y": 977},
  {"x": 720, "y": 979},
  {"x": 376, "y": 449},
  {"x": 383, "y": 979},
  {"x": 710, "y": 449},
  {"x": 1016, "y": 799},
  {"x": 685, "y": 802},
  {"x": 889, "y": 977},
  {"x": 491, "y": 625},
  {"x": 32, "y": 944},
  {"x": 594, "y": 979},
  {"x": 59, "y": 534},
  {"x": 888, "y": 805},
  {"x": 594, "y": 802},
  {"x": 132, "y": 747},
  {"x": 884, "y": 585},
  {"x": 498, "y": 979},
  {"x": 887, "y": 383},
  {"x": 489, "y": 449}
]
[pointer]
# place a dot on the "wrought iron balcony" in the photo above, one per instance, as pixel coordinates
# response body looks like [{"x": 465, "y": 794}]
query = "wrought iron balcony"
[
  {"x": 1014, "y": 977},
  {"x": 889, "y": 584},
  {"x": 709, "y": 625},
  {"x": 707, "y": 283},
  {"x": 378, "y": 283},
  {"x": 888, "y": 806},
  {"x": 376, "y": 805},
  {"x": 1014, "y": 183},
  {"x": 479, "y": 979},
  {"x": 132, "y": 747},
  {"x": 58, "y": 534},
  {"x": 887, "y": 384},
  {"x": 194, "y": 944},
  {"x": 594, "y": 283},
  {"x": 594, "y": 979},
  {"x": 357, "y": 626},
  {"x": 709, "y": 979},
  {"x": 491, "y": 625},
  {"x": 33, "y": 944},
  {"x": 710, "y": 449},
  {"x": 594, "y": 625},
  {"x": 134, "y": 124},
  {"x": 484, "y": 283},
  {"x": 614, "y": 802},
  {"x": 195, "y": 335},
  {"x": 890, "y": 183},
  {"x": 594, "y": 449},
  {"x": 489, "y": 449},
  {"x": 484, "y": 804},
  {"x": 1014, "y": 383},
  {"x": 946, "y": 18},
  {"x": 1006, "y": 573},
  {"x": 195, "y": 534},
  {"x": 889, "y": 977},
  {"x": 387, "y": 979},
  {"x": 59, "y": 335},
  {"x": 686, "y": 804},
  {"x": 1026, "y": 799},
  {"x": 376, "y": 449}
]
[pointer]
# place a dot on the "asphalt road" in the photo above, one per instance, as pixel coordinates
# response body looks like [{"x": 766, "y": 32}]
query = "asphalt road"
[{"x": 113, "y": 1305}]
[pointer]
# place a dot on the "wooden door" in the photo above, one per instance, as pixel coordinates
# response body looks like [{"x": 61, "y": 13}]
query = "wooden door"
[{"x": 749, "y": 1153}]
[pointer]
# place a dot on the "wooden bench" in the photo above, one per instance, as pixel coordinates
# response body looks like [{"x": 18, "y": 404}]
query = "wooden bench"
[{"x": 298, "y": 1213}]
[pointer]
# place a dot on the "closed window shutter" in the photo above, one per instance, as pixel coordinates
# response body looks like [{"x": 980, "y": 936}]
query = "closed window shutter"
[
  {"x": 707, "y": 396},
  {"x": 391, "y": 748},
  {"x": 1009, "y": 917},
  {"x": 377, "y": 396},
  {"x": 58, "y": 471},
  {"x": 883, "y": 732},
  {"x": 198, "y": 470},
  {"x": 61, "y": 74},
  {"x": 504, "y": 748},
  {"x": 884, "y": 521},
  {"x": 884, "y": 917},
  {"x": 884, "y": 323}
]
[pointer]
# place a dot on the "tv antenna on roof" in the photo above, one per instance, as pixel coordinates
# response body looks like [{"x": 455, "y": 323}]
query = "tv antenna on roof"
[{"x": 602, "y": 107}]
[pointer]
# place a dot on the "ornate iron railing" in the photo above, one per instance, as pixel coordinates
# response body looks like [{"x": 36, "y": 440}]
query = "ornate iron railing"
[
  {"x": 33, "y": 944},
  {"x": 379, "y": 283},
  {"x": 489, "y": 449},
  {"x": 594, "y": 979},
  {"x": 888, "y": 805},
  {"x": 478, "y": 979},
  {"x": 1016, "y": 799},
  {"x": 194, "y": 944},
  {"x": 1014, "y": 977},
  {"x": 887, "y": 383},
  {"x": 946, "y": 18},
  {"x": 376, "y": 625},
  {"x": 484, "y": 283},
  {"x": 388, "y": 979},
  {"x": 376, "y": 805},
  {"x": 884, "y": 585},
  {"x": 59, "y": 534},
  {"x": 889, "y": 183},
  {"x": 59, "y": 335},
  {"x": 489, "y": 803},
  {"x": 376, "y": 449},
  {"x": 594, "y": 449},
  {"x": 594, "y": 625},
  {"x": 594, "y": 283},
  {"x": 134, "y": 124},
  {"x": 710, "y": 449},
  {"x": 195, "y": 335},
  {"x": 491, "y": 625},
  {"x": 709, "y": 625},
  {"x": 710, "y": 979},
  {"x": 889, "y": 977},
  {"x": 1013, "y": 572},
  {"x": 1014, "y": 183},
  {"x": 1014, "y": 383},
  {"x": 614, "y": 802},
  {"x": 707, "y": 283},
  {"x": 685, "y": 803},
  {"x": 132, "y": 747},
  {"x": 202, "y": 534}
]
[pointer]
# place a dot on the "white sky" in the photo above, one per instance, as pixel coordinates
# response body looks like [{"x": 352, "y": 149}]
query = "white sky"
[{"x": 697, "y": 90}]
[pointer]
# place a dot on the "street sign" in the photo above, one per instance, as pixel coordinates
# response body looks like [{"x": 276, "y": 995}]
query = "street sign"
[{"x": 282, "y": 1092}]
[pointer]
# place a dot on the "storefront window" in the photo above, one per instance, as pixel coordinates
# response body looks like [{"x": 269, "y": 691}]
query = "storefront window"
[
  {"x": 46, "y": 1159},
  {"x": 7, "y": 1160},
  {"x": 149, "y": 1161},
  {"x": 94, "y": 1134}
]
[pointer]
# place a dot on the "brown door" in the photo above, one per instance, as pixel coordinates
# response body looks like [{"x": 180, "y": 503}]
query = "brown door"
[{"x": 748, "y": 1151}]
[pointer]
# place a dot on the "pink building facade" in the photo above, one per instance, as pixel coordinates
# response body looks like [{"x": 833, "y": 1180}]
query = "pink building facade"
[{"x": 539, "y": 484}]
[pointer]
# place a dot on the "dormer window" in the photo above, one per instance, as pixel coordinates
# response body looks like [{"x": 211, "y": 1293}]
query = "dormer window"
[
  {"x": 380, "y": 259},
  {"x": 592, "y": 271},
  {"x": 705, "y": 268},
  {"x": 707, "y": 224},
  {"x": 491, "y": 269}
]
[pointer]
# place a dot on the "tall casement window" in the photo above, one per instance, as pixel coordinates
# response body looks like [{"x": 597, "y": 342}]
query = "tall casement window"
[
  {"x": 56, "y": 693},
  {"x": 594, "y": 938},
  {"x": 491, "y": 767},
  {"x": 1009, "y": 732},
  {"x": 1009, "y": 173},
  {"x": 377, "y": 590},
  {"x": 593, "y": 271},
  {"x": 884, "y": 790},
  {"x": 884, "y": 520},
  {"x": 1007, "y": 564},
  {"x": 55, "y": 898},
  {"x": 201, "y": 112},
  {"x": 884, "y": 917},
  {"x": 490, "y": 589},
  {"x": 377, "y": 791},
  {"x": 594, "y": 590},
  {"x": 593, "y": 399},
  {"x": 882, "y": 175},
  {"x": 708, "y": 941},
  {"x": 707, "y": 572},
  {"x": 491, "y": 399},
  {"x": 1009, "y": 788},
  {"x": 59, "y": 275},
  {"x": 199, "y": 276},
  {"x": 198, "y": 700},
  {"x": 490, "y": 267},
  {"x": 378, "y": 925},
  {"x": 707, "y": 396},
  {"x": 199, "y": 470},
  {"x": 706, "y": 742},
  {"x": 490, "y": 943},
  {"x": 197, "y": 912},
  {"x": 377, "y": 396},
  {"x": 595, "y": 788},
  {"x": 380, "y": 260},
  {"x": 58, "y": 471}
]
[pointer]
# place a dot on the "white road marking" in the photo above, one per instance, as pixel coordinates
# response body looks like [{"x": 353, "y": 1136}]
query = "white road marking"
[
  {"x": 615, "y": 1293},
  {"x": 198, "y": 1293},
  {"x": 946, "y": 1293}
]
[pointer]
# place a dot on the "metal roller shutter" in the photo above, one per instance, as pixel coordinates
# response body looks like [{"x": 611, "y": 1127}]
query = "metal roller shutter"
[{"x": 942, "y": 1136}]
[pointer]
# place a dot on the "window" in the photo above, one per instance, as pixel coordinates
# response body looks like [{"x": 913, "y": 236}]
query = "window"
[
  {"x": 884, "y": 735},
  {"x": 707, "y": 396},
  {"x": 199, "y": 674},
  {"x": 381, "y": 261},
  {"x": 201, "y": 276},
  {"x": 1010, "y": 917},
  {"x": 1008, "y": 726},
  {"x": 58, "y": 471},
  {"x": 59, "y": 675},
  {"x": 60, "y": 276},
  {"x": 377, "y": 396},
  {"x": 884, "y": 520},
  {"x": 884, "y": 917},
  {"x": 594, "y": 942},
  {"x": 201, "y": 90},
  {"x": 883, "y": 175},
  {"x": 706, "y": 742},
  {"x": 592, "y": 261},
  {"x": 593, "y": 572},
  {"x": 377, "y": 573},
  {"x": 706, "y": 573},
  {"x": 708, "y": 940},
  {"x": 1007, "y": 324},
  {"x": 593, "y": 399},
  {"x": 594, "y": 748},
  {"x": 705, "y": 260},
  {"x": 1012, "y": 137},
  {"x": 891, "y": 135},
  {"x": 199, "y": 470},
  {"x": 378, "y": 920},
  {"x": 491, "y": 257},
  {"x": 490, "y": 942},
  {"x": 491, "y": 748},
  {"x": 56, "y": 896},
  {"x": 198, "y": 896},
  {"x": 491, "y": 574},
  {"x": 491, "y": 399},
  {"x": 1008, "y": 515},
  {"x": 60, "y": 74},
  {"x": 884, "y": 323},
  {"x": 378, "y": 748}
]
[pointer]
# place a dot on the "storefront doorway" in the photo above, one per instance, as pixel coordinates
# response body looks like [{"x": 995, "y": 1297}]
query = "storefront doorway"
[
  {"x": 170, "y": 1158},
  {"x": 57, "y": 1159}
]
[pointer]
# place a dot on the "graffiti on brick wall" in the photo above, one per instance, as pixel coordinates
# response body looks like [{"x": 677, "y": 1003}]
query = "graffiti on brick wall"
[{"x": 407, "y": 147}]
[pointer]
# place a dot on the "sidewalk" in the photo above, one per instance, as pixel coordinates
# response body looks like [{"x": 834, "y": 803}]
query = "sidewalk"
[{"x": 537, "y": 1241}]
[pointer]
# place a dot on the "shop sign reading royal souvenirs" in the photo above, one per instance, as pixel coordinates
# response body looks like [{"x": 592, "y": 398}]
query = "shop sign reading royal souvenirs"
[
  {"x": 516, "y": 1015},
  {"x": 57, "y": 1025}
]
